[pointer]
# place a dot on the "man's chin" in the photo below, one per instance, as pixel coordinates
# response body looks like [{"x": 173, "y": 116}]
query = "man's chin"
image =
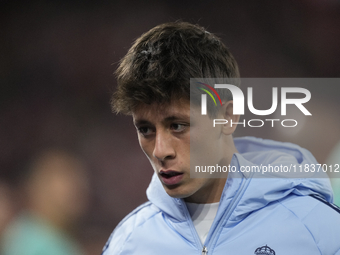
[{"x": 176, "y": 191}]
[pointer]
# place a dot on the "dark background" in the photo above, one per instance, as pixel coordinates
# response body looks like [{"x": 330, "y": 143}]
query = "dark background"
[{"x": 57, "y": 60}]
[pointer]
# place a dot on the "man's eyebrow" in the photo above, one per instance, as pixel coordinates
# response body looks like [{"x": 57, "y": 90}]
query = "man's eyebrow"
[
  {"x": 167, "y": 119},
  {"x": 177, "y": 117},
  {"x": 141, "y": 122}
]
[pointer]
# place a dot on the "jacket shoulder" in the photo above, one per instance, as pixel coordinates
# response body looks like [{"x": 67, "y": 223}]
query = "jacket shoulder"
[
  {"x": 126, "y": 227},
  {"x": 320, "y": 218}
]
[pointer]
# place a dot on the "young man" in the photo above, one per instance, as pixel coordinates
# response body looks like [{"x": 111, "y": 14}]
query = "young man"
[{"x": 240, "y": 214}]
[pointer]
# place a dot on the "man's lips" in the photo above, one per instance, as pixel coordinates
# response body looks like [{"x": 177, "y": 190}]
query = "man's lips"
[{"x": 170, "y": 177}]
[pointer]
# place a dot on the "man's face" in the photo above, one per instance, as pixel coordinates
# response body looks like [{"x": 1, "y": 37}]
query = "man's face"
[{"x": 164, "y": 136}]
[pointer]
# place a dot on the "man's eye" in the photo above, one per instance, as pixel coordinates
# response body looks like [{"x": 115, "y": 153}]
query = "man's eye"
[
  {"x": 177, "y": 127},
  {"x": 145, "y": 130}
]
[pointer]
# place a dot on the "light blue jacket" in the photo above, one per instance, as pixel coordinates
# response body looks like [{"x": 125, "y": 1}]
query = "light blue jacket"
[{"x": 262, "y": 216}]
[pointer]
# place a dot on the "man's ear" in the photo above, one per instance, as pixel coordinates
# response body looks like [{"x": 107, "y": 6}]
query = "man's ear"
[{"x": 227, "y": 111}]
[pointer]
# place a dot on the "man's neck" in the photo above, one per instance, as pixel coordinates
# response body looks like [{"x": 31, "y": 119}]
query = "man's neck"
[{"x": 211, "y": 193}]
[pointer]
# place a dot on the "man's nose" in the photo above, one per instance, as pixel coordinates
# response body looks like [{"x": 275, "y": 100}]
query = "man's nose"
[{"x": 164, "y": 148}]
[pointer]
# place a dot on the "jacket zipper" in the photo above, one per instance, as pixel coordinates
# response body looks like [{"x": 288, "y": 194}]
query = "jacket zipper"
[
  {"x": 227, "y": 214},
  {"x": 198, "y": 241},
  {"x": 204, "y": 247}
]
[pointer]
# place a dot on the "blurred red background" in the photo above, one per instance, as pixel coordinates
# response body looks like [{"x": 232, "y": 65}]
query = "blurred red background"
[{"x": 56, "y": 75}]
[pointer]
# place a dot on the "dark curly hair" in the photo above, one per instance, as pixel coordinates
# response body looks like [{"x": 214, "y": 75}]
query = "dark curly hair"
[{"x": 159, "y": 65}]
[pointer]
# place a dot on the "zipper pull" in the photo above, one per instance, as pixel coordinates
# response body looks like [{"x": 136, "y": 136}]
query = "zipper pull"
[{"x": 205, "y": 250}]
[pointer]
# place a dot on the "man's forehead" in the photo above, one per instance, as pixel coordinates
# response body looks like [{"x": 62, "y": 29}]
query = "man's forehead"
[{"x": 180, "y": 108}]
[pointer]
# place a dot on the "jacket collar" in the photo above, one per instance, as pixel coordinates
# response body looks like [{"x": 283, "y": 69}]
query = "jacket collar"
[{"x": 256, "y": 189}]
